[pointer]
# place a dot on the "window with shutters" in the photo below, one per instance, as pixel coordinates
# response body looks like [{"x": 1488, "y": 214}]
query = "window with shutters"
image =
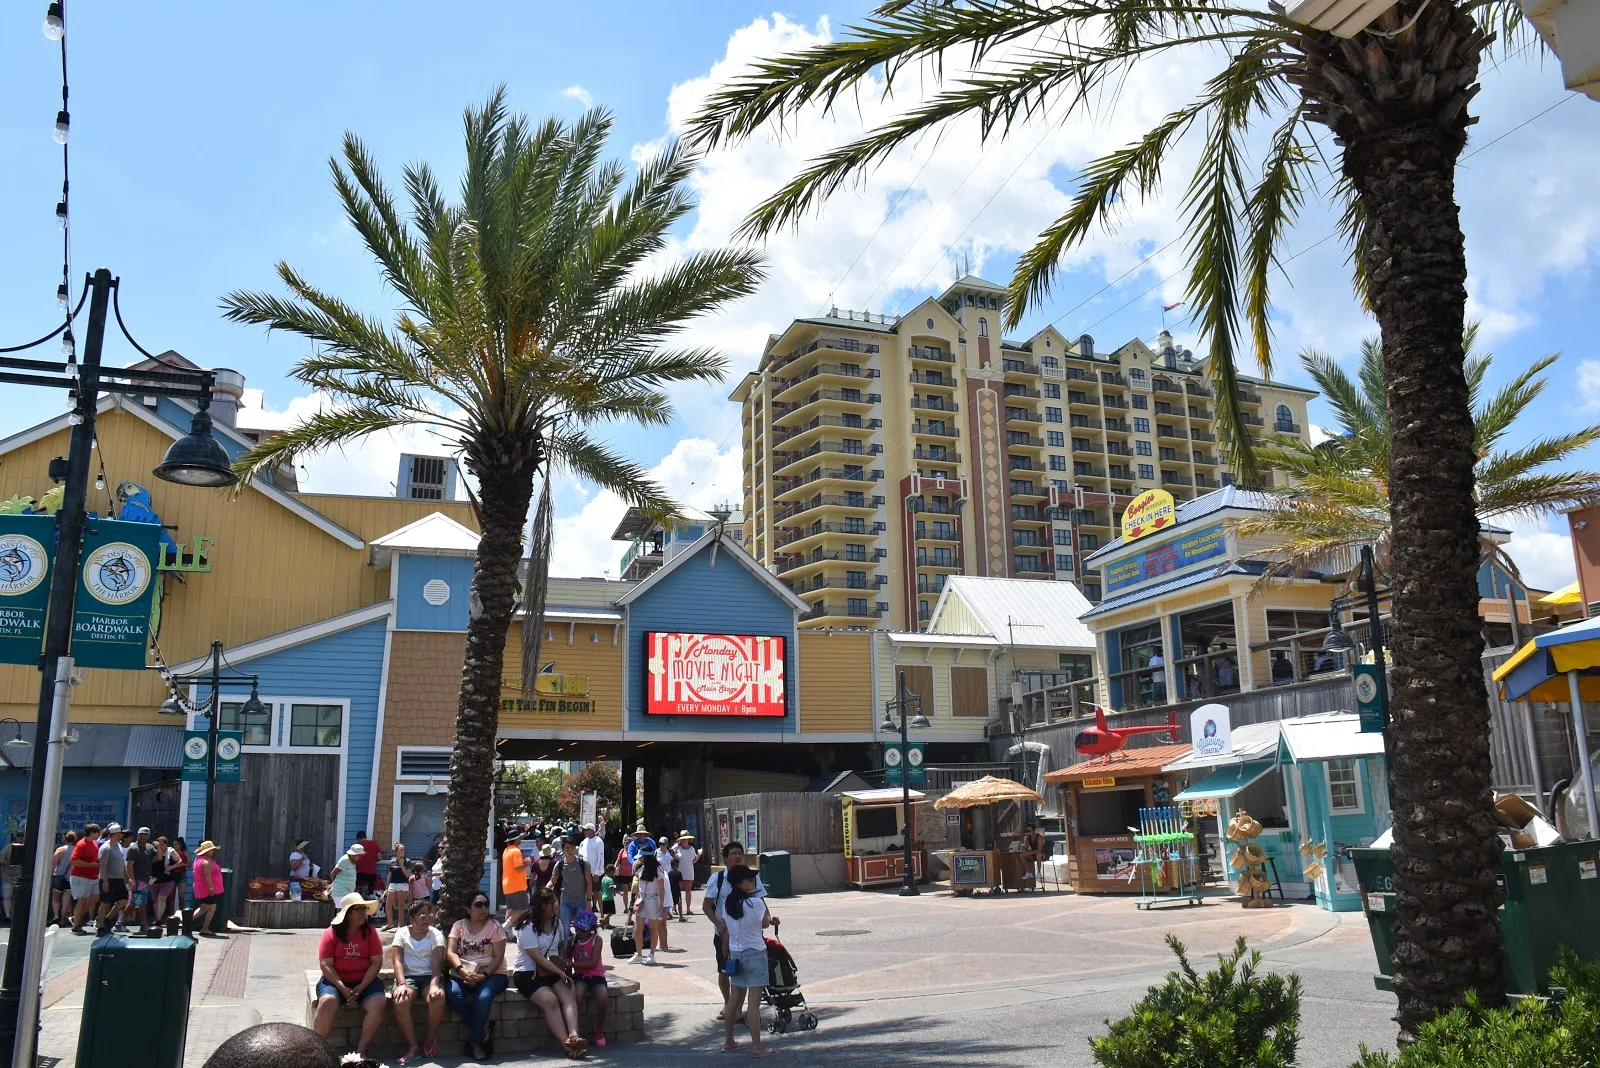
[{"x": 969, "y": 691}]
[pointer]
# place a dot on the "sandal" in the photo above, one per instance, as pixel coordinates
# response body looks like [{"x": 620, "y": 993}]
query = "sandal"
[
  {"x": 577, "y": 1048},
  {"x": 409, "y": 1056},
  {"x": 431, "y": 1050}
]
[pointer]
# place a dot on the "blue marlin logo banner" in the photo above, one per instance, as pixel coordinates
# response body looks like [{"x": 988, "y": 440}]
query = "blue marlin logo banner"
[
  {"x": 27, "y": 549},
  {"x": 116, "y": 585}
]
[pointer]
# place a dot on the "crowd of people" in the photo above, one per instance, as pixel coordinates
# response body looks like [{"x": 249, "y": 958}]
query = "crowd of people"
[
  {"x": 104, "y": 880},
  {"x": 560, "y": 888}
]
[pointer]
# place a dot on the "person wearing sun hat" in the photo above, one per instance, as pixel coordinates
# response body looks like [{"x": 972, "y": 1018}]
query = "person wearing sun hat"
[
  {"x": 589, "y": 969},
  {"x": 350, "y": 954},
  {"x": 207, "y": 888},
  {"x": 684, "y": 856},
  {"x": 342, "y": 879}
]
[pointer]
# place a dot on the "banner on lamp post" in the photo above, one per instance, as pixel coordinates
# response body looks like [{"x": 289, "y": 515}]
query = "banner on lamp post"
[
  {"x": 26, "y": 555},
  {"x": 908, "y": 763},
  {"x": 1368, "y": 706},
  {"x": 116, "y": 584},
  {"x": 230, "y": 746},
  {"x": 196, "y": 744}
]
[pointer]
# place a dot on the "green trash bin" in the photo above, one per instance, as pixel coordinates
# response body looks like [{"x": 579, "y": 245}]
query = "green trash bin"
[
  {"x": 1552, "y": 901},
  {"x": 136, "y": 1003},
  {"x": 775, "y": 873}
]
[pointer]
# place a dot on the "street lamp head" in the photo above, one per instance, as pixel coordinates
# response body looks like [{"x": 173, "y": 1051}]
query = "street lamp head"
[
  {"x": 888, "y": 725},
  {"x": 1337, "y": 641},
  {"x": 173, "y": 706},
  {"x": 55, "y": 26},
  {"x": 17, "y": 741},
  {"x": 252, "y": 705},
  {"x": 919, "y": 721},
  {"x": 197, "y": 459}
]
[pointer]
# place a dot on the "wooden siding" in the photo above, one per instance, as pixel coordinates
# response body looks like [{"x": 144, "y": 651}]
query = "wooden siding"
[
  {"x": 797, "y": 822},
  {"x": 272, "y": 570},
  {"x": 969, "y": 691},
  {"x": 257, "y": 828},
  {"x": 957, "y": 618},
  {"x": 919, "y": 682},
  {"x": 370, "y": 518},
  {"x": 590, "y": 653},
  {"x": 835, "y": 682}
]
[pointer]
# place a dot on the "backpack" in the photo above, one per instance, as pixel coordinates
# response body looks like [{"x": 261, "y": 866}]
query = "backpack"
[{"x": 555, "y": 874}]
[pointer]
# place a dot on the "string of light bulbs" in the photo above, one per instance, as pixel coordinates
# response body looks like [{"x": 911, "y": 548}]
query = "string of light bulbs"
[{"x": 55, "y": 29}]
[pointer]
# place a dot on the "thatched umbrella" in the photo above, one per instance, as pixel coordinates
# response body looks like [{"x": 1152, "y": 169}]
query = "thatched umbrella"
[{"x": 987, "y": 791}]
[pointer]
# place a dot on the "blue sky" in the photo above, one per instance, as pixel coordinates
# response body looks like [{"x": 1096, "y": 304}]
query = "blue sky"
[{"x": 201, "y": 133}]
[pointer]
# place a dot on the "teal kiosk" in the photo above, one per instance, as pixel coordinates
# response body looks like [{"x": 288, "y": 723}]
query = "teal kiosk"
[{"x": 1338, "y": 797}]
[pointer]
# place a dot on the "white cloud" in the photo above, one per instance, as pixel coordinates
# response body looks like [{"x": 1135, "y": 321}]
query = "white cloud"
[
  {"x": 1318, "y": 434},
  {"x": 1589, "y": 384},
  {"x": 578, "y": 93},
  {"x": 696, "y": 473},
  {"x": 369, "y": 466},
  {"x": 1543, "y": 552}
]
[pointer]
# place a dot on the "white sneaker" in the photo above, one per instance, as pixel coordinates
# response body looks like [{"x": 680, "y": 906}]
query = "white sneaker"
[
  {"x": 635, "y": 959},
  {"x": 651, "y": 959}
]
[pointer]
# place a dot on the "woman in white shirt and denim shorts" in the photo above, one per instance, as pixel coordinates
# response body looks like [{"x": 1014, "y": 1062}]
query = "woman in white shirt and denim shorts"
[{"x": 747, "y": 918}]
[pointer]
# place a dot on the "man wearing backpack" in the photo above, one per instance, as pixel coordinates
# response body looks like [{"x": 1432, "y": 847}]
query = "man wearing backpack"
[
  {"x": 573, "y": 883},
  {"x": 713, "y": 898}
]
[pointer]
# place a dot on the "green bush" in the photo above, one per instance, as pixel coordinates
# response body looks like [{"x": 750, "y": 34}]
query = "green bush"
[
  {"x": 1529, "y": 1033},
  {"x": 1229, "y": 1018}
]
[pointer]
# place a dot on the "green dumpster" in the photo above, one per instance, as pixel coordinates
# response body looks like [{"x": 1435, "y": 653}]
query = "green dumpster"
[
  {"x": 775, "y": 873},
  {"x": 1552, "y": 900},
  {"x": 136, "y": 1002}
]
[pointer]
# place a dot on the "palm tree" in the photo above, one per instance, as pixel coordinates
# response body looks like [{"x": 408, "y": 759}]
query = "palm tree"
[
  {"x": 1337, "y": 498},
  {"x": 1394, "y": 96},
  {"x": 528, "y": 312}
]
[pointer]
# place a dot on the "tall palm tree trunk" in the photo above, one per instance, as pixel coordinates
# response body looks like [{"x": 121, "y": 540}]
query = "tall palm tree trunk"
[
  {"x": 1399, "y": 106},
  {"x": 505, "y": 490}
]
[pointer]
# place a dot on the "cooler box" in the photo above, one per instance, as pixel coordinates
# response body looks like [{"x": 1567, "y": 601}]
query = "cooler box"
[
  {"x": 136, "y": 1002},
  {"x": 1552, "y": 900},
  {"x": 775, "y": 873}
]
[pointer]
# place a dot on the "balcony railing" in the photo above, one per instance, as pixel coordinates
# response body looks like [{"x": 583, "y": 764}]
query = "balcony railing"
[
  {"x": 1170, "y": 479},
  {"x": 933, "y": 431},
  {"x": 784, "y": 384},
  {"x": 1167, "y": 432},
  {"x": 1085, "y": 471},
  {"x": 819, "y": 583},
  {"x": 946, "y": 457},
  {"x": 942, "y": 382},
  {"x": 784, "y": 459},
  {"x": 935, "y": 404},
  {"x": 1122, "y": 474},
  {"x": 1251, "y": 420},
  {"x": 641, "y": 547},
  {"x": 1086, "y": 446},
  {"x": 1017, "y": 415},
  {"x": 827, "y": 420},
  {"x": 1201, "y": 413},
  {"x": 789, "y": 484},
  {"x": 935, "y": 533},
  {"x": 1202, "y": 482},
  {"x": 1118, "y": 426},
  {"x": 822, "y": 609},
  {"x": 1201, "y": 435},
  {"x": 854, "y": 396},
  {"x": 1084, "y": 422},
  {"x": 1022, "y": 391},
  {"x": 830, "y": 500},
  {"x": 1019, "y": 367},
  {"x": 853, "y": 346},
  {"x": 795, "y": 562},
  {"x": 818, "y": 529},
  {"x": 1286, "y": 428},
  {"x": 1249, "y": 396},
  {"x": 1165, "y": 385},
  {"x": 1205, "y": 458},
  {"x": 921, "y": 352},
  {"x": 1117, "y": 448},
  {"x": 1111, "y": 378},
  {"x": 1019, "y": 440},
  {"x": 1115, "y": 402},
  {"x": 1197, "y": 389}
]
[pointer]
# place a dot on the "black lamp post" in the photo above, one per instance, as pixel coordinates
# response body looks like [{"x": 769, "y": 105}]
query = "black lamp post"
[
  {"x": 901, "y": 704},
  {"x": 195, "y": 460},
  {"x": 212, "y": 710},
  {"x": 1337, "y": 641}
]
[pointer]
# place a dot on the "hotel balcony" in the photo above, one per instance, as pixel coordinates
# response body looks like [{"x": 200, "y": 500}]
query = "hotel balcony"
[
  {"x": 932, "y": 533},
  {"x": 798, "y": 356},
  {"x": 1016, "y": 439},
  {"x": 1165, "y": 385},
  {"x": 822, "y": 422},
  {"x": 942, "y": 382},
  {"x": 789, "y": 490},
  {"x": 934, "y": 404},
  {"x": 831, "y": 501},
  {"x": 1202, "y": 435},
  {"x": 1083, "y": 422},
  {"x": 825, "y": 610},
  {"x": 1026, "y": 491},
  {"x": 927, "y": 455},
  {"x": 1196, "y": 389},
  {"x": 930, "y": 430},
  {"x": 929, "y": 354},
  {"x": 1018, "y": 368},
  {"x": 1077, "y": 399},
  {"x": 822, "y": 584},
  {"x": 1169, "y": 478},
  {"x": 834, "y": 450},
  {"x": 1118, "y": 426},
  {"x": 1115, "y": 402},
  {"x": 796, "y": 565},
  {"x": 1286, "y": 428},
  {"x": 826, "y": 400},
  {"x": 1022, "y": 415},
  {"x": 947, "y": 562},
  {"x": 826, "y": 374},
  {"x": 1112, "y": 378},
  {"x": 1249, "y": 396},
  {"x": 800, "y": 540},
  {"x": 1087, "y": 446},
  {"x": 1252, "y": 420}
]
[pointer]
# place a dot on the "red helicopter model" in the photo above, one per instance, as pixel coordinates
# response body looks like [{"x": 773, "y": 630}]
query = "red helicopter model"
[{"x": 1103, "y": 738}]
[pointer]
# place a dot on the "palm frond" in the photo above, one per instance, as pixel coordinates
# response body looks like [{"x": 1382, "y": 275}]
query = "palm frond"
[
  {"x": 326, "y": 429},
  {"x": 1495, "y": 416},
  {"x": 590, "y": 460}
]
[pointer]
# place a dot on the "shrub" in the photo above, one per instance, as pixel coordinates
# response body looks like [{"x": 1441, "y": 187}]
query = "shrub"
[
  {"x": 1529, "y": 1033},
  {"x": 1228, "y": 1018}
]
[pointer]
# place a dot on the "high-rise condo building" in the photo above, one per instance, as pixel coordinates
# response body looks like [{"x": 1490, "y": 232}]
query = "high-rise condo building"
[{"x": 882, "y": 455}]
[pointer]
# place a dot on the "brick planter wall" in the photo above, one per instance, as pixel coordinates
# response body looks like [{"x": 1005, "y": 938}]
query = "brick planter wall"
[{"x": 519, "y": 1027}]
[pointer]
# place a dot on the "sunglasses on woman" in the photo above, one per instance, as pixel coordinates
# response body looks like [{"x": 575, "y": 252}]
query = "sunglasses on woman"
[{"x": 480, "y": 904}]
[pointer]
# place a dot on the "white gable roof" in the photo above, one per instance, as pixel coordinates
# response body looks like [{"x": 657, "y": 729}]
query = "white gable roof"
[
  {"x": 1328, "y": 736},
  {"x": 435, "y": 533},
  {"x": 1041, "y": 614},
  {"x": 735, "y": 550}
]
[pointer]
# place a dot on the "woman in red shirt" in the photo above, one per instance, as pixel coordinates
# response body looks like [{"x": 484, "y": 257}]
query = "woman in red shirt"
[{"x": 351, "y": 955}]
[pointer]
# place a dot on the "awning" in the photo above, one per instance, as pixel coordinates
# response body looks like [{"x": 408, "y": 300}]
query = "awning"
[
  {"x": 1568, "y": 594},
  {"x": 1328, "y": 736},
  {"x": 1225, "y": 781},
  {"x": 109, "y": 745},
  {"x": 1537, "y": 671}
]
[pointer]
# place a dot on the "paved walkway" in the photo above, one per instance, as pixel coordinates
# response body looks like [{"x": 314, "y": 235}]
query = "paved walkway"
[{"x": 933, "y": 980}]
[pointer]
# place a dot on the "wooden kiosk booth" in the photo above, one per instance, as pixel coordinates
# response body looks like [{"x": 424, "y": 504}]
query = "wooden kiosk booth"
[
  {"x": 1102, "y": 803},
  {"x": 874, "y": 836}
]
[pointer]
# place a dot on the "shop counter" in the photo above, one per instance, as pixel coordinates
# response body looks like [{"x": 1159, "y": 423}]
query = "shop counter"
[
  {"x": 876, "y": 869},
  {"x": 971, "y": 870}
]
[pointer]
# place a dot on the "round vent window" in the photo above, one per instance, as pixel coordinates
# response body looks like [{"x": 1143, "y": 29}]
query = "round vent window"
[{"x": 436, "y": 592}]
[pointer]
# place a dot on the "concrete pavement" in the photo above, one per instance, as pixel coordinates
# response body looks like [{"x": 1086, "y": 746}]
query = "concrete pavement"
[{"x": 933, "y": 980}]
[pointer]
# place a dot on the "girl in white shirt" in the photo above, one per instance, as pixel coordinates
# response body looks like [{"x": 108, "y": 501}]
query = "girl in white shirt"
[
  {"x": 747, "y": 917},
  {"x": 650, "y": 884},
  {"x": 417, "y": 955},
  {"x": 541, "y": 972}
]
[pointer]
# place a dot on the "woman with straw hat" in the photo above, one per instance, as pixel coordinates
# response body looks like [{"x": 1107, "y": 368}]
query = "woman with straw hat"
[
  {"x": 350, "y": 954},
  {"x": 684, "y": 856},
  {"x": 207, "y": 888}
]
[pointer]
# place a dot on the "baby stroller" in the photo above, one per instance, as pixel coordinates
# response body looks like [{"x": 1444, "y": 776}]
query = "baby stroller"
[{"x": 783, "y": 990}]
